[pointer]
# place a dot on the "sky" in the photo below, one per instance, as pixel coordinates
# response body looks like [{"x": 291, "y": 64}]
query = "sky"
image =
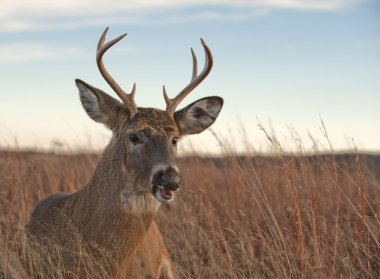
[{"x": 288, "y": 65}]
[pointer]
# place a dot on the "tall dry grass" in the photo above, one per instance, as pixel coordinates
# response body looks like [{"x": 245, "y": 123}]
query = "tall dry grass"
[{"x": 280, "y": 216}]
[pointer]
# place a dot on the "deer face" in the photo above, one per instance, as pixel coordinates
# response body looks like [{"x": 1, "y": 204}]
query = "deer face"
[
  {"x": 146, "y": 138},
  {"x": 151, "y": 147}
]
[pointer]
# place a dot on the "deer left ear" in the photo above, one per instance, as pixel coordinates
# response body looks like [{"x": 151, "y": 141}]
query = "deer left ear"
[{"x": 198, "y": 116}]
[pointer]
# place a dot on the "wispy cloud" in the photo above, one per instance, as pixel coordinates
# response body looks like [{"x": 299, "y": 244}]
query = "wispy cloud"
[
  {"x": 26, "y": 52},
  {"x": 18, "y": 15}
]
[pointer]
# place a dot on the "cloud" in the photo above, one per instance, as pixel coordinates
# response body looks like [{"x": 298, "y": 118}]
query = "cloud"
[
  {"x": 19, "y": 15},
  {"x": 26, "y": 52}
]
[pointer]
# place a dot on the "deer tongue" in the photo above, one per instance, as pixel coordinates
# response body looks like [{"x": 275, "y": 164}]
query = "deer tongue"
[{"x": 166, "y": 193}]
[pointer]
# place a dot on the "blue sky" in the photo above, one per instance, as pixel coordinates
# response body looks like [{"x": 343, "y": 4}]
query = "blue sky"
[{"x": 285, "y": 63}]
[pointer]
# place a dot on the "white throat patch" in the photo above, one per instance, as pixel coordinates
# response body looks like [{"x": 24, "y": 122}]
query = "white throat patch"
[{"x": 139, "y": 201}]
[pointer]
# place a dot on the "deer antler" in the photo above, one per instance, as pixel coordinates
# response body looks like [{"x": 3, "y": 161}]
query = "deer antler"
[
  {"x": 171, "y": 104},
  {"x": 128, "y": 99}
]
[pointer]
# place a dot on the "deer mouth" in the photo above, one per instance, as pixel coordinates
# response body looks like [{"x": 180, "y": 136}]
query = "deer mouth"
[{"x": 162, "y": 194}]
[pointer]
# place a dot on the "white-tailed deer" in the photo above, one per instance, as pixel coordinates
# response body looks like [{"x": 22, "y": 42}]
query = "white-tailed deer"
[{"x": 113, "y": 215}]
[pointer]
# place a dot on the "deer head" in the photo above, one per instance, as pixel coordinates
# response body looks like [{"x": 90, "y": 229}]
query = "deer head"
[{"x": 146, "y": 138}]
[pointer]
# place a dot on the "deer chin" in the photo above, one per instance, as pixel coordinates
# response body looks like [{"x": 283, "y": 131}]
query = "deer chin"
[{"x": 162, "y": 194}]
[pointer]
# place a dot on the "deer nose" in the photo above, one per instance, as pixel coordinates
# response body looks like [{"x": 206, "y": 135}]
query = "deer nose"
[{"x": 168, "y": 178}]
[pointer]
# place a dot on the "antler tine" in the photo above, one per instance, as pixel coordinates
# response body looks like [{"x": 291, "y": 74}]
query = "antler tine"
[
  {"x": 171, "y": 104},
  {"x": 195, "y": 65},
  {"x": 128, "y": 99}
]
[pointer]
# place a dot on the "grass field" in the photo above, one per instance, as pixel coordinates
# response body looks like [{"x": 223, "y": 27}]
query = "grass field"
[{"x": 253, "y": 216}]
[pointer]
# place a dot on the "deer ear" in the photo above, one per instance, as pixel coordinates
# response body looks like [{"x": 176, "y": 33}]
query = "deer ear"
[
  {"x": 198, "y": 116},
  {"x": 100, "y": 106}
]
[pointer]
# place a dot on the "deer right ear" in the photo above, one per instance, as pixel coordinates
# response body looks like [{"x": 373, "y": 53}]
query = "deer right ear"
[
  {"x": 198, "y": 116},
  {"x": 100, "y": 106}
]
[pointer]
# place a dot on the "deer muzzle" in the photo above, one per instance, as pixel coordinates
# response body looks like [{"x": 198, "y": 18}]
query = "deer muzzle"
[{"x": 165, "y": 181}]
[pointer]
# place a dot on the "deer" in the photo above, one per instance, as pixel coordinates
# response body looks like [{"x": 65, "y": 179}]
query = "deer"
[{"x": 114, "y": 213}]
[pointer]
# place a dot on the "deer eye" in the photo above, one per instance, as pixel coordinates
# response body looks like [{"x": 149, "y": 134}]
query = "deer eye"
[
  {"x": 174, "y": 140},
  {"x": 134, "y": 139}
]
